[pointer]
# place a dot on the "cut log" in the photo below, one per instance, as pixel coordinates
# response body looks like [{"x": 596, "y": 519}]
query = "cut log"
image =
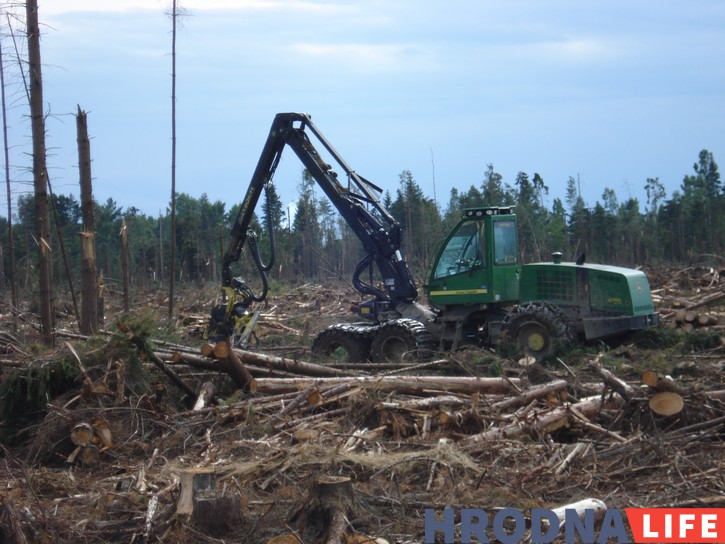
[
  {"x": 103, "y": 437},
  {"x": 222, "y": 349},
  {"x": 233, "y": 366},
  {"x": 707, "y": 300},
  {"x": 290, "y": 365},
  {"x": 144, "y": 349},
  {"x": 195, "y": 361},
  {"x": 409, "y": 384},
  {"x": 81, "y": 434},
  {"x": 303, "y": 397},
  {"x": 705, "y": 320},
  {"x": 426, "y": 403},
  {"x": 660, "y": 383},
  {"x": 666, "y": 403},
  {"x": 650, "y": 377},
  {"x": 525, "y": 398},
  {"x": 626, "y": 391},
  {"x": 89, "y": 455},
  {"x": 716, "y": 395}
]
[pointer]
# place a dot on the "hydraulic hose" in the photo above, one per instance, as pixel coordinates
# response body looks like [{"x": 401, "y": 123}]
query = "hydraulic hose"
[
  {"x": 262, "y": 268},
  {"x": 366, "y": 288}
]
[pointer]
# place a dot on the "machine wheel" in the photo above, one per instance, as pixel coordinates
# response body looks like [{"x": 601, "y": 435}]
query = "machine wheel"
[
  {"x": 395, "y": 339},
  {"x": 342, "y": 342},
  {"x": 536, "y": 328}
]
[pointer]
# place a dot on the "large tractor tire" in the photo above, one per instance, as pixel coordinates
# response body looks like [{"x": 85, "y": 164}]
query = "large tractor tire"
[
  {"x": 343, "y": 343},
  {"x": 535, "y": 329},
  {"x": 399, "y": 338}
]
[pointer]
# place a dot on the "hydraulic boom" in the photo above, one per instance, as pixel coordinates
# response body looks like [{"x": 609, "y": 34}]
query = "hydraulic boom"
[{"x": 357, "y": 201}]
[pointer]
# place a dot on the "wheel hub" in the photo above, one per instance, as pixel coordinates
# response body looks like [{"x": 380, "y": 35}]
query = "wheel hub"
[{"x": 536, "y": 341}]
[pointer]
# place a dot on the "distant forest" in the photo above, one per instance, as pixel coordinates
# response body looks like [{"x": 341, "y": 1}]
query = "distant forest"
[{"x": 316, "y": 244}]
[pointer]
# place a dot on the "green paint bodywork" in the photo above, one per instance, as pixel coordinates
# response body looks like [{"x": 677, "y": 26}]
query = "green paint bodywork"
[
  {"x": 477, "y": 268},
  {"x": 601, "y": 289}
]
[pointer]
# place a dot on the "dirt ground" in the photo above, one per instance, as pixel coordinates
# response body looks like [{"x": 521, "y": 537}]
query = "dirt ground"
[{"x": 101, "y": 444}]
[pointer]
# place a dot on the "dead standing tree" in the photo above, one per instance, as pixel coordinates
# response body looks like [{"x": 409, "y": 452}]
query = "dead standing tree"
[
  {"x": 172, "y": 266},
  {"x": 125, "y": 252},
  {"x": 89, "y": 288},
  {"x": 40, "y": 181},
  {"x": 13, "y": 276}
]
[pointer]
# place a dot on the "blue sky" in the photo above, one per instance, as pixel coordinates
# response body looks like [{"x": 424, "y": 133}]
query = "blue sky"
[{"x": 611, "y": 91}]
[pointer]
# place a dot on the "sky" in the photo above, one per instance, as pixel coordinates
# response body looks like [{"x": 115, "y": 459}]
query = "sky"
[{"x": 610, "y": 92}]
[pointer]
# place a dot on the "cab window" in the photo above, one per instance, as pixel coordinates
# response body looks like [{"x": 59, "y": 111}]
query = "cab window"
[
  {"x": 504, "y": 239},
  {"x": 463, "y": 250}
]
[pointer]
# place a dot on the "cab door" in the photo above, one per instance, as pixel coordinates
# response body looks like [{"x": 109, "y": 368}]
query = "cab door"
[
  {"x": 505, "y": 268},
  {"x": 460, "y": 274}
]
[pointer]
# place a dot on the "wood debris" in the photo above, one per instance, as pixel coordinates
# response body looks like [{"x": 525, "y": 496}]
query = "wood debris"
[{"x": 188, "y": 443}]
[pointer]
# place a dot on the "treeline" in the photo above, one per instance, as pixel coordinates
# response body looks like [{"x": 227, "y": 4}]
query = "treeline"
[{"x": 317, "y": 243}]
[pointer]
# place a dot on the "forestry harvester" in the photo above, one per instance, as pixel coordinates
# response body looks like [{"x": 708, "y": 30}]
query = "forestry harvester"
[{"x": 478, "y": 291}]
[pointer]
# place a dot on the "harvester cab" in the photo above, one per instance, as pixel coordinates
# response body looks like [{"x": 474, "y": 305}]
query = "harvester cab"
[{"x": 478, "y": 262}]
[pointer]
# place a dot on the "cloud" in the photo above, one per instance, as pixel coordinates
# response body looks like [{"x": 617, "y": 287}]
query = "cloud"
[
  {"x": 575, "y": 49},
  {"x": 88, "y": 6},
  {"x": 370, "y": 57},
  {"x": 125, "y": 6}
]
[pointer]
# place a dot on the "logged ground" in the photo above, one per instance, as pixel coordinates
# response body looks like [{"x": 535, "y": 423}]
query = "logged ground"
[{"x": 396, "y": 449}]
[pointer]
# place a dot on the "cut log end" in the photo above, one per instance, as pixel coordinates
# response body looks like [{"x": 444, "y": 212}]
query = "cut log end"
[
  {"x": 650, "y": 378},
  {"x": 81, "y": 434},
  {"x": 666, "y": 403},
  {"x": 207, "y": 350},
  {"x": 222, "y": 349}
]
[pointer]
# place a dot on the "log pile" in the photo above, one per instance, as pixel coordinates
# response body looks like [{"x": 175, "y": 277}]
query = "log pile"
[{"x": 693, "y": 298}]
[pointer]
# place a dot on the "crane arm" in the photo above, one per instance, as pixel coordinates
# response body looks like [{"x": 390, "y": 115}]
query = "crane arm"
[{"x": 378, "y": 231}]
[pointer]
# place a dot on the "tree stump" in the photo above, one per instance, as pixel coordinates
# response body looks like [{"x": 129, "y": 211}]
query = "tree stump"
[
  {"x": 210, "y": 511},
  {"x": 330, "y": 501},
  {"x": 194, "y": 481},
  {"x": 217, "y": 514}
]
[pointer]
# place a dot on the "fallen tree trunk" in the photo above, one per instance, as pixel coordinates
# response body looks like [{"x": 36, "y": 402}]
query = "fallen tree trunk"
[
  {"x": 408, "y": 384},
  {"x": 532, "y": 394},
  {"x": 233, "y": 366},
  {"x": 626, "y": 391},
  {"x": 290, "y": 365},
  {"x": 423, "y": 404}
]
